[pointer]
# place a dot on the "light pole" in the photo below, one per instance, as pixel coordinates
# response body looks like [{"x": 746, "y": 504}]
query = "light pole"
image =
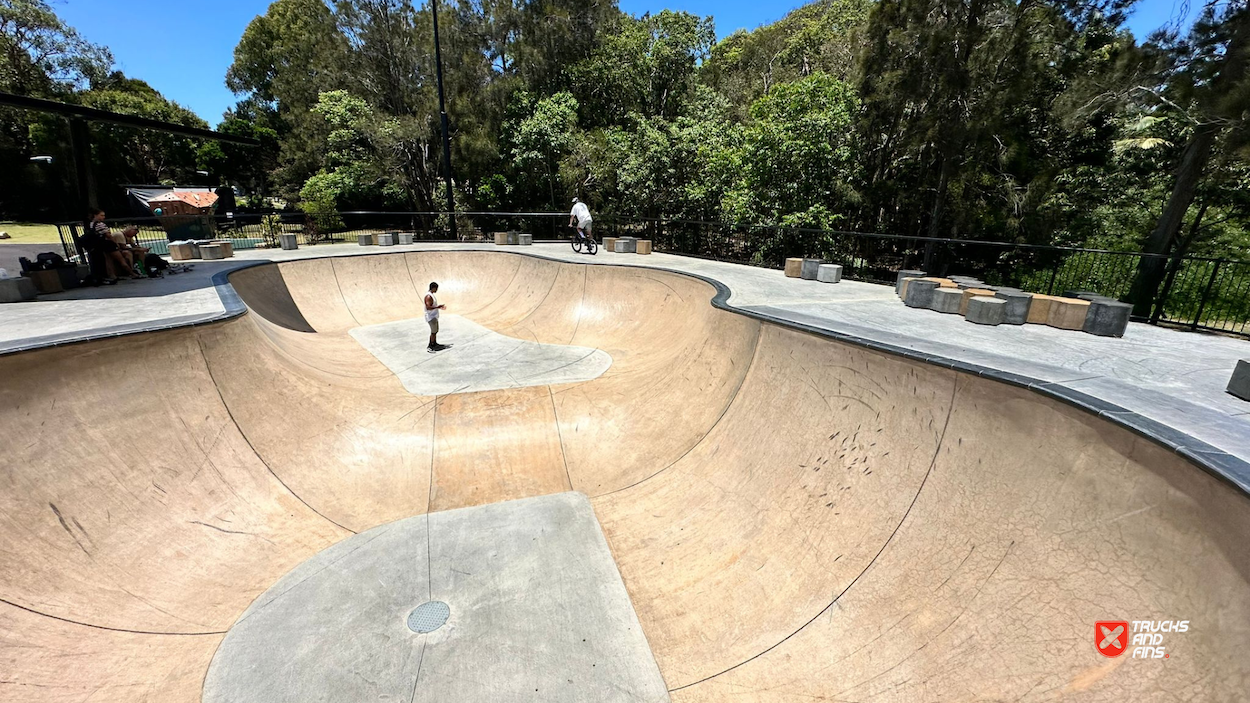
[{"x": 442, "y": 112}]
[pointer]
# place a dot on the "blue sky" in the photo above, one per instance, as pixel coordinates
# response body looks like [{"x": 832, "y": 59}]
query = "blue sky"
[{"x": 184, "y": 48}]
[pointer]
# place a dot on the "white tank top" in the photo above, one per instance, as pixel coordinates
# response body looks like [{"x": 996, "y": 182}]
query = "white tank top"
[{"x": 432, "y": 314}]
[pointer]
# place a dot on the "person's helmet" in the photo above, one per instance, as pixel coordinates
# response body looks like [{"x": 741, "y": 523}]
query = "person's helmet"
[{"x": 576, "y": 201}]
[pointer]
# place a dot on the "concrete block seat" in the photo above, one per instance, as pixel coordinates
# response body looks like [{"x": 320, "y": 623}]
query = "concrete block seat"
[
  {"x": 16, "y": 290},
  {"x": 942, "y": 283},
  {"x": 1039, "y": 308},
  {"x": 947, "y": 300},
  {"x": 1067, "y": 313},
  {"x": 810, "y": 268},
  {"x": 365, "y": 240},
  {"x": 212, "y": 252},
  {"x": 1107, "y": 317},
  {"x": 920, "y": 293},
  {"x": 970, "y": 293},
  {"x": 1239, "y": 384},
  {"x": 829, "y": 273},
  {"x": 48, "y": 281},
  {"x": 525, "y": 239},
  {"x": 501, "y": 239},
  {"x": 387, "y": 239},
  {"x": 1018, "y": 302},
  {"x": 609, "y": 244},
  {"x": 985, "y": 310},
  {"x": 794, "y": 268},
  {"x": 227, "y": 247},
  {"x": 644, "y": 246},
  {"x": 289, "y": 242},
  {"x": 183, "y": 251},
  {"x": 405, "y": 237},
  {"x": 904, "y": 275},
  {"x": 626, "y": 245}
]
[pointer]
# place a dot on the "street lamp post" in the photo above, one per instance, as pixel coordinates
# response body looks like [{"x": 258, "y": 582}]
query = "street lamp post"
[{"x": 442, "y": 111}]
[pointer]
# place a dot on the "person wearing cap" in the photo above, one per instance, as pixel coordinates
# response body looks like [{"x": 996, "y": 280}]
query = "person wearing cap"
[{"x": 580, "y": 216}]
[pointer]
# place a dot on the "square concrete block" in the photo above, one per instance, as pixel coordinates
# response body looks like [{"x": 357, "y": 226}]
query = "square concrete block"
[
  {"x": 920, "y": 293},
  {"x": 644, "y": 246},
  {"x": 211, "y": 252},
  {"x": 15, "y": 290},
  {"x": 1018, "y": 302},
  {"x": 985, "y": 310},
  {"x": 947, "y": 300},
  {"x": 525, "y": 239},
  {"x": 904, "y": 275},
  {"x": 626, "y": 245},
  {"x": 289, "y": 242},
  {"x": 387, "y": 239},
  {"x": 365, "y": 240},
  {"x": 794, "y": 268},
  {"x": 829, "y": 273},
  {"x": 405, "y": 237},
  {"x": 46, "y": 281},
  {"x": 501, "y": 239},
  {"x": 1068, "y": 313},
  {"x": 514, "y": 237},
  {"x": 183, "y": 251},
  {"x": 609, "y": 244},
  {"x": 227, "y": 247},
  {"x": 809, "y": 269},
  {"x": 1239, "y": 384},
  {"x": 1107, "y": 318},
  {"x": 969, "y": 294}
]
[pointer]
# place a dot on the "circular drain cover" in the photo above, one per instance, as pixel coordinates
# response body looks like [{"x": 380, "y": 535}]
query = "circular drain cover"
[{"x": 428, "y": 617}]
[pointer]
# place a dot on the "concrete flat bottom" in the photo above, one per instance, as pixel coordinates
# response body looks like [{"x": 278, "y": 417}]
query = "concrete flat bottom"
[
  {"x": 479, "y": 359},
  {"x": 538, "y": 612}
]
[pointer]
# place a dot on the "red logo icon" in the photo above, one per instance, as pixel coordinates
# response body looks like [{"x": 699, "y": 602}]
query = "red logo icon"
[{"x": 1111, "y": 637}]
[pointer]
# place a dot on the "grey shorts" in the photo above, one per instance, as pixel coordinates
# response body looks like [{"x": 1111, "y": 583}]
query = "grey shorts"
[
  {"x": 587, "y": 228},
  {"x": 434, "y": 326}
]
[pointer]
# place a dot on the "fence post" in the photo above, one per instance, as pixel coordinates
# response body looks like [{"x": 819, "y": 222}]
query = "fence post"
[
  {"x": 1050, "y": 287},
  {"x": 1202, "y": 302}
]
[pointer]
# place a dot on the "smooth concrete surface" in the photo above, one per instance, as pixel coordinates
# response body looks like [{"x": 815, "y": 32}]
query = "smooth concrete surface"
[
  {"x": 538, "y": 612},
  {"x": 479, "y": 359},
  {"x": 796, "y": 514}
]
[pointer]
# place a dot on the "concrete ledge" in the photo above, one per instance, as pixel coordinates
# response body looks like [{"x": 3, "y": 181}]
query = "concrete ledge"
[
  {"x": 1239, "y": 384},
  {"x": 829, "y": 273}
]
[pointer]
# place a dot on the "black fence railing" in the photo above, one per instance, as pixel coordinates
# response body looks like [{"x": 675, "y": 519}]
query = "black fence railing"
[{"x": 1195, "y": 292}]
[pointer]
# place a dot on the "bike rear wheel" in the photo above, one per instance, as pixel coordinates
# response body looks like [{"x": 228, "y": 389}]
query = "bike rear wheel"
[{"x": 591, "y": 246}]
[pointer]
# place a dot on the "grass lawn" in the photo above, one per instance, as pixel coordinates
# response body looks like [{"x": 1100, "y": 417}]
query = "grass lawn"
[{"x": 29, "y": 233}]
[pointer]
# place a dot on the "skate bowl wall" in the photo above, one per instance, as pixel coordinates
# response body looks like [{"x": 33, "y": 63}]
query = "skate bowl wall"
[{"x": 795, "y": 518}]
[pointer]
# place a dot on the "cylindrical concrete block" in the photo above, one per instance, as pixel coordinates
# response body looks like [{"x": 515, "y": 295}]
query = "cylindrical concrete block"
[
  {"x": 405, "y": 237},
  {"x": 969, "y": 294},
  {"x": 985, "y": 310},
  {"x": 829, "y": 273},
  {"x": 288, "y": 242},
  {"x": 626, "y": 245},
  {"x": 609, "y": 244},
  {"x": 1107, "y": 318},
  {"x": 644, "y": 246},
  {"x": 1239, "y": 384},
  {"x": 525, "y": 239},
  {"x": 227, "y": 247},
  {"x": 365, "y": 240},
  {"x": 794, "y": 267},
  {"x": 1068, "y": 313},
  {"x": 210, "y": 252},
  {"x": 920, "y": 293},
  {"x": 947, "y": 300},
  {"x": 903, "y": 275},
  {"x": 1017, "y": 309},
  {"x": 386, "y": 239},
  {"x": 16, "y": 290}
]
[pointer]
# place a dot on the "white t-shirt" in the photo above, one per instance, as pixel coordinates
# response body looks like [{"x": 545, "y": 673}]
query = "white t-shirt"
[
  {"x": 581, "y": 213},
  {"x": 432, "y": 314}
]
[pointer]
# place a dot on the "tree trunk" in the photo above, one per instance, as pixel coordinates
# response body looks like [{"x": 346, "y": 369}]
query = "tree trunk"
[
  {"x": 939, "y": 209},
  {"x": 1150, "y": 269}
]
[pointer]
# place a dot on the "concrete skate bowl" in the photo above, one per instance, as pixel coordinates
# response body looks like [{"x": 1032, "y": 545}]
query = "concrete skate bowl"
[{"x": 795, "y": 518}]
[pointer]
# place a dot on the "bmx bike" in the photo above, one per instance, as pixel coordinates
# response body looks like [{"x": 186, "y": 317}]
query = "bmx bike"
[{"x": 581, "y": 241}]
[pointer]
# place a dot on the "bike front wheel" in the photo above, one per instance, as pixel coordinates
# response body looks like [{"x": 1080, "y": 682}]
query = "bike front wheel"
[{"x": 577, "y": 244}]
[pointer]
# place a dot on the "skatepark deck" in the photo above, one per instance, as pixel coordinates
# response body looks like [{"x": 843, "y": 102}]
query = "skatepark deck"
[{"x": 794, "y": 517}]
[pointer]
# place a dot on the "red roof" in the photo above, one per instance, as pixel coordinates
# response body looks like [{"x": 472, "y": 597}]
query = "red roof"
[{"x": 200, "y": 200}]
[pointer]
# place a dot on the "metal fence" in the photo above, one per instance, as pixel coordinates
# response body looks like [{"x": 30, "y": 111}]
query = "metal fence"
[{"x": 1195, "y": 292}]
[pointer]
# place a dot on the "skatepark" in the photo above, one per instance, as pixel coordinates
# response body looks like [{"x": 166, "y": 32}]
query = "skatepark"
[{"x": 625, "y": 483}]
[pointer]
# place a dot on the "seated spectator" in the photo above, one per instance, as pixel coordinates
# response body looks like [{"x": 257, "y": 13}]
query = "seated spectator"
[
  {"x": 128, "y": 243},
  {"x": 103, "y": 251}
]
